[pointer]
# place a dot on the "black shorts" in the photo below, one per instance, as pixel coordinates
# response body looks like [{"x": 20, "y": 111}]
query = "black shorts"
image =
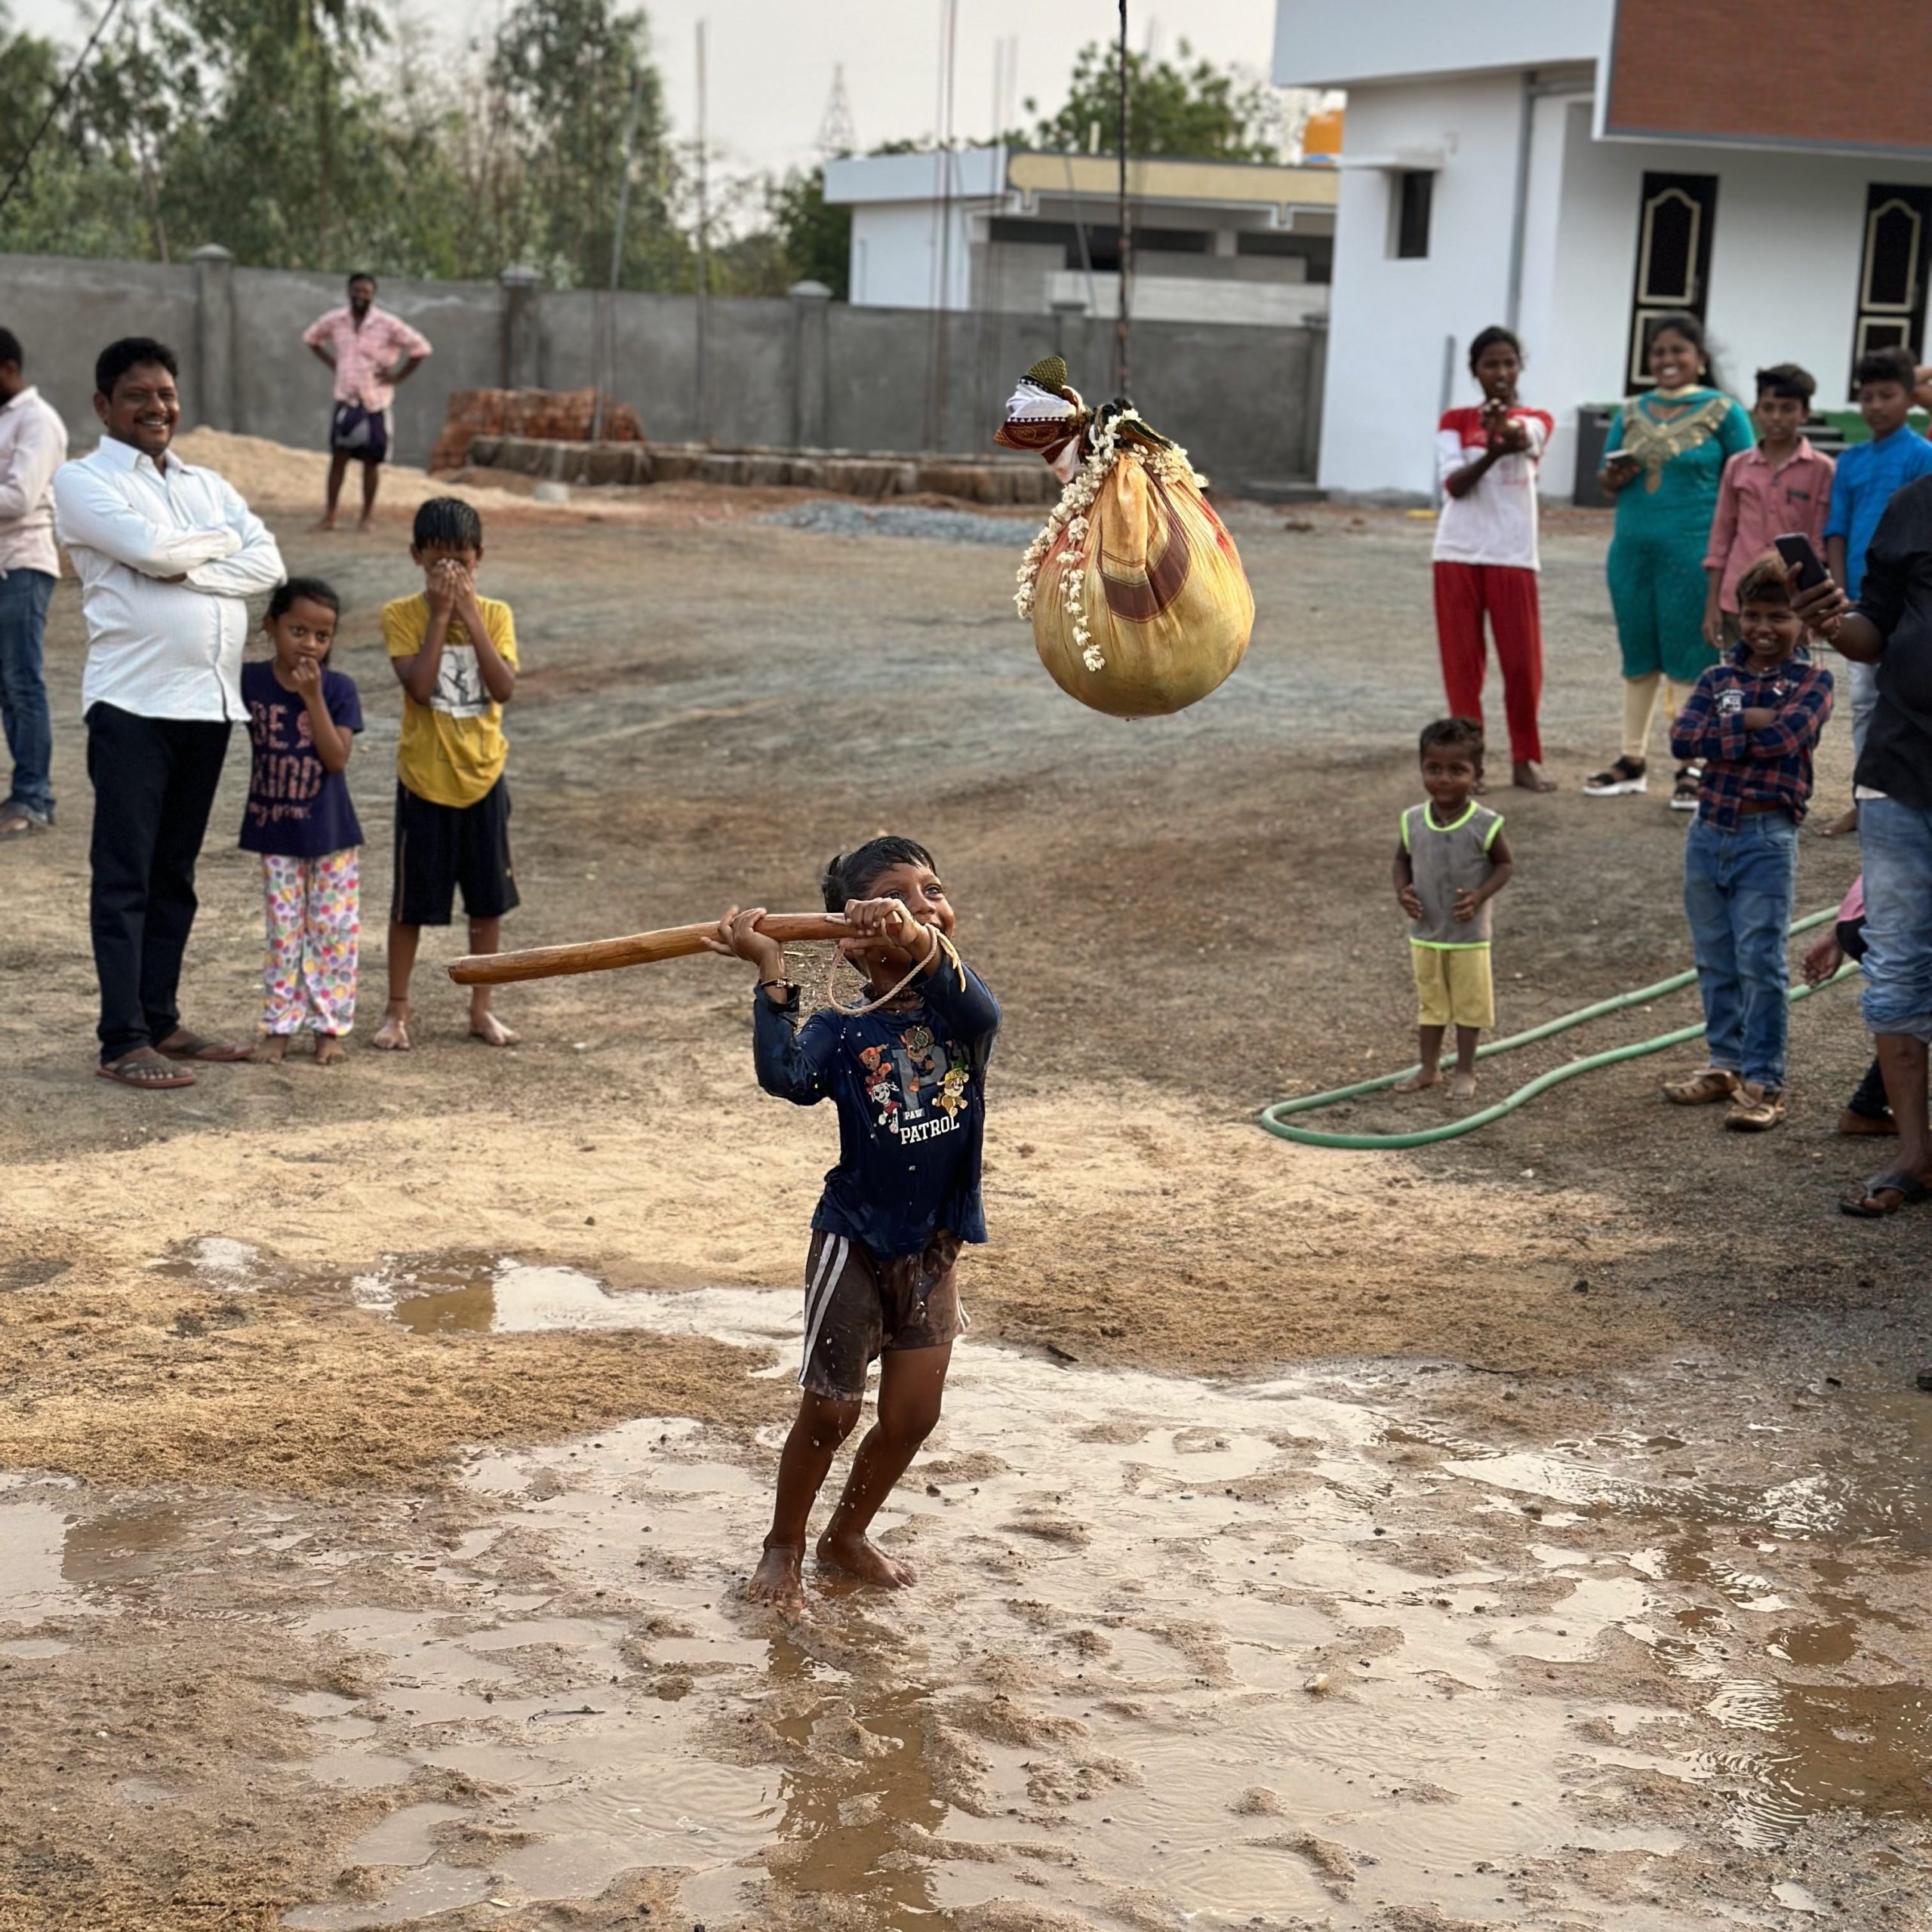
[
  {"x": 362, "y": 433},
  {"x": 859, "y": 1305},
  {"x": 439, "y": 847}
]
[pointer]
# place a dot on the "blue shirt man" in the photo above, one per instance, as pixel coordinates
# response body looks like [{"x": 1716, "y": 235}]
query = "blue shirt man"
[{"x": 1868, "y": 475}]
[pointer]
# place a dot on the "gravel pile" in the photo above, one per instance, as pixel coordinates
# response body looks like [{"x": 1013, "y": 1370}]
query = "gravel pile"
[{"x": 845, "y": 519}]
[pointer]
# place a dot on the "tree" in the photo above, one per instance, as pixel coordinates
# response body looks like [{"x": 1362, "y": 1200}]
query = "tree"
[
  {"x": 1194, "y": 109},
  {"x": 815, "y": 234},
  {"x": 563, "y": 72}
]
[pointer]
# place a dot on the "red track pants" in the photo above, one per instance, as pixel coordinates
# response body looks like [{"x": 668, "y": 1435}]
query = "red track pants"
[{"x": 1464, "y": 592}]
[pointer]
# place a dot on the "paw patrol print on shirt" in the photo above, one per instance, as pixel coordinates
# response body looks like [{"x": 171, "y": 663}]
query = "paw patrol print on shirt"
[{"x": 916, "y": 1090}]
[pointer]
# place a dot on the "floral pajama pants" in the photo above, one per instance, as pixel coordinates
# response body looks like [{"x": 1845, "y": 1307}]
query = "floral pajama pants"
[{"x": 308, "y": 970}]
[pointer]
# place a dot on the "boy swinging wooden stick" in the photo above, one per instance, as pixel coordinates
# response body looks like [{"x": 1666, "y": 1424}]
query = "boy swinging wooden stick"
[{"x": 906, "y": 1070}]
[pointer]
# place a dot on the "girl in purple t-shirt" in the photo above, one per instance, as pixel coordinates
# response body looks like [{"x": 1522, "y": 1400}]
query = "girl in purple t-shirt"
[{"x": 303, "y": 718}]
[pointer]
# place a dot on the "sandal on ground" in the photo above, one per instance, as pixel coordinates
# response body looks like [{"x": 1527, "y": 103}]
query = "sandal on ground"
[
  {"x": 1862, "y": 1203},
  {"x": 1526, "y": 775},
  {"x": 1851, "y": 1121},
  {"x": 145, "y": 1068},
  {"x": 1754, "y": 1110},
  {"x": 191, "y": 1046},
  {"x": 1683, "y": 794},
  {"x": 1699, "y": 1089},
  {"x": 19, "y": 821},
  {"x": 1626, "y": 776}
]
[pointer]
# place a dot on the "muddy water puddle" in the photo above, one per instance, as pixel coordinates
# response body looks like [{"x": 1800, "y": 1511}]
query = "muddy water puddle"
[
  {"x": 1284, "y": 1654},
  {"x": 1177, "y": 1649}
]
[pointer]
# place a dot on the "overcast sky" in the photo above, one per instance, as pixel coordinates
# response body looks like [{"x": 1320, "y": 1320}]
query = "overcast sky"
[{"x": 771, "y": 61}]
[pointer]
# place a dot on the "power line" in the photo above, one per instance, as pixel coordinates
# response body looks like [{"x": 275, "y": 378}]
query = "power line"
[{"x": 55, "y": 107}]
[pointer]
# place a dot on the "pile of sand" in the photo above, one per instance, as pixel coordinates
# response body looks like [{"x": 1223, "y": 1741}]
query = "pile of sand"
[{"x": 273, "y": 476}]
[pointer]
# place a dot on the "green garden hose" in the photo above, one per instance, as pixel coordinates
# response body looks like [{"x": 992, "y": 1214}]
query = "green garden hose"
[{"x": 1272, "y": 1118}]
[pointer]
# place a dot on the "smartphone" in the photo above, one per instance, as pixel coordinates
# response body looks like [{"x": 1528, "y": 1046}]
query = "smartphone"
[
  {"x": 1616, "y": 456},
  {"x": 1808, "y": 572}
]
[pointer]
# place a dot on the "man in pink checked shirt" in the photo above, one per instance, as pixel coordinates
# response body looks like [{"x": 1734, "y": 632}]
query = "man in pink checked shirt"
[{"x": 370, "y": 352}]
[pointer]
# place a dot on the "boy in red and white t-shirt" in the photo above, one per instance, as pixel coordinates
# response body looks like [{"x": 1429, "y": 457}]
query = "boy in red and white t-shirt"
[{"x": 1486, "y": 560}]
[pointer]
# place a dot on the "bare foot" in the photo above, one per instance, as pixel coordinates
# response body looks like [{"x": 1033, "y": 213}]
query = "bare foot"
[
  {"x": 272, "y": 1051},
  {"x": 329, "y": 1049},
  {"x": 492, "y": 1030},
  {"x": 1461, "y": 1087},
  {"x": 364, "y": 525},
  {"x": 327, "y": 524},
  {"x": 1423, "y": 1076},
  {"x": 392, "y": 1035},
  {"x": 858, "y": 1556},
  {"x": 778, "y": 1579},
  {"x": 1527, "y": 775},
  {"x": 1842, "y": 826}
]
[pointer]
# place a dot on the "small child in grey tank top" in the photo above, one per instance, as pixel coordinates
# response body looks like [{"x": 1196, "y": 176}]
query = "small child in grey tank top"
[{"x": 1452, "y": 861}]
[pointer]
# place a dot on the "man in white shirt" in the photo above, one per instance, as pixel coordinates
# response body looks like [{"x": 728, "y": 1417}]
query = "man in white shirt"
[
  {"x": 33, "y": 445},
  {"x": 166, "y": 555}
]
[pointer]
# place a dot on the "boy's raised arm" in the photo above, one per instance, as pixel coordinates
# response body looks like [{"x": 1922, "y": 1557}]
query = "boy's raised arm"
[{"x": 497, "y": 671}]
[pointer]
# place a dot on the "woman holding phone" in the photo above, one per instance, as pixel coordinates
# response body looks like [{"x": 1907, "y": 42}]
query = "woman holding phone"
[{"x": 1666, "y": 459}]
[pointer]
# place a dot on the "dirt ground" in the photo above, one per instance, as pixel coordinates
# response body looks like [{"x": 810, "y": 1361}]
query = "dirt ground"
[{"x": 1185, "y": 920}]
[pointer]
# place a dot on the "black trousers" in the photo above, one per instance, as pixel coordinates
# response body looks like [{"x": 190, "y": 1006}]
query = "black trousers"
[{"x": 154, "y": 785}]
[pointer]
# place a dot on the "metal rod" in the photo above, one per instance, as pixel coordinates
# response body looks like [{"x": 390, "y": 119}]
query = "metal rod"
[
  {"x": 703, "y": 237},
  {"x": 607, "y": 334},
  {"x": 1121, "y": 357}
]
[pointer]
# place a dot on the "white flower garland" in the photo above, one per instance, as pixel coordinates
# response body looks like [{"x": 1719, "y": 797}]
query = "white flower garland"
[{"x": 1069, "y": 515}]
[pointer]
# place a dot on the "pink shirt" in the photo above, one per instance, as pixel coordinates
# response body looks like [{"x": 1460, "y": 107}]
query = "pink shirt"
[
  {"x": 362, "y": 356},
  {"x": 1756, "y": 503}
]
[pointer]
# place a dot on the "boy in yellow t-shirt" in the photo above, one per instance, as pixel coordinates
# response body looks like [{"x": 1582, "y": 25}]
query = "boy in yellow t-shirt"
[{"x": 454, "y": 654}]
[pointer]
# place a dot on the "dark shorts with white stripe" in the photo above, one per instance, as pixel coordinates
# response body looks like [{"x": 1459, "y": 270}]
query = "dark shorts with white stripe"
[{"x": 859, "y": 1307}]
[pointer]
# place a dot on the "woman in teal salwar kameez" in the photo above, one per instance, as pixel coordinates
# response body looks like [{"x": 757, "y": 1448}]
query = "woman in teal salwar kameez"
[{"x": 1669, "y": 449}]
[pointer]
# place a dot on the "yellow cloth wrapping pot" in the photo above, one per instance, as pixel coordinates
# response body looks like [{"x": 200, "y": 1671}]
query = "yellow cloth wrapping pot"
[{"x": 1160, "y": 590}]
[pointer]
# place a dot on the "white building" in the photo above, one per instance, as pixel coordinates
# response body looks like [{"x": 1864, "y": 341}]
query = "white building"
[
  {"x": 1024, "y": 231},
  {"x": 1569, "y": 167}
]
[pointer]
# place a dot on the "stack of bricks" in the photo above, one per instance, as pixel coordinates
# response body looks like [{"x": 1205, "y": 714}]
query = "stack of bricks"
[{"x": 548, "y": 415}]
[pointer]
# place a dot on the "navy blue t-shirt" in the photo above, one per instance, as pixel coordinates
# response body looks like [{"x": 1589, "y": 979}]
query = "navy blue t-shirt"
[
  {"x": 910, "y": 1086},
  {"x": 297, "y": 807}
]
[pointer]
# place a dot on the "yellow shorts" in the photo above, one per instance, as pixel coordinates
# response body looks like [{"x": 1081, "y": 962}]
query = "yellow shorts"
[{"x": 1454, "y": 985}]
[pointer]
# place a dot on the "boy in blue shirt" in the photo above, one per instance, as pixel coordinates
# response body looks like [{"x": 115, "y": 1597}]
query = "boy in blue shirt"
[
  {"x": 1868, "y": 475},
  {"x": 907, "y": 1071}
]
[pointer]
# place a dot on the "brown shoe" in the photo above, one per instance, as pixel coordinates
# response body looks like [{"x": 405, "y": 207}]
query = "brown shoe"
[
  {"x": 1699, "y": 1089},
  {"x": 1754, "y": 1110}
]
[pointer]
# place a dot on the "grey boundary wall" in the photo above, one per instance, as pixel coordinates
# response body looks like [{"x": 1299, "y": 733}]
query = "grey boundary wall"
[{"x": 796, "y": 370}]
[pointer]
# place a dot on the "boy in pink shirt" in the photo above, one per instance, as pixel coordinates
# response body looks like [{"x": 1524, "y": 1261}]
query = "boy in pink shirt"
[{"x": 1781, "y": 485}]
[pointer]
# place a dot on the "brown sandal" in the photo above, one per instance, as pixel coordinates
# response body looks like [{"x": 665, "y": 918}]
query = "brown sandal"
[
  {"x": 1699, "y": 1089},
  {"x": 143, "y": 1068}
]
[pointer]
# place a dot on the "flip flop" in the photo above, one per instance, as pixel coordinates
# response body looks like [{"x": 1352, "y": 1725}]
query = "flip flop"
[
  {"x": 191, "y": 1046},
  {"x": 1910, "y": 1190},
  {"x": 143, "y": 1069}
]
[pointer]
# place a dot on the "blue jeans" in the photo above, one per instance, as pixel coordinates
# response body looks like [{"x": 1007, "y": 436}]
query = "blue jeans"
[
  {"x": 1737, "y": 894},
  {"x": 1895, "y": 840},
  {"x": 23, "y": 597}
]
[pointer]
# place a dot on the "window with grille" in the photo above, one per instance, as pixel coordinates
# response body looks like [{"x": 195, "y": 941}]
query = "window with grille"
[
  {"x": 1891, "y": 274},
  {"x": 1674, "y": 221}
]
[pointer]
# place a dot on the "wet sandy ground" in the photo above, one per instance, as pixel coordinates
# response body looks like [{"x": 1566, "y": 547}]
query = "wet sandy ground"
[
  {"x": 314, "y": 1486},
  {"x": 1366, "y": 1645}
]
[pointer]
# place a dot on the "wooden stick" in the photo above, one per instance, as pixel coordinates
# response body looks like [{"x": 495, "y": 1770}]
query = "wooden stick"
[{"x": 601, "y": 955}]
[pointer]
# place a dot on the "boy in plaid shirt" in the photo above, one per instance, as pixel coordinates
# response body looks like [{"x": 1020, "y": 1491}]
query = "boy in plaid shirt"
[{"x": 1753, "y": 721}]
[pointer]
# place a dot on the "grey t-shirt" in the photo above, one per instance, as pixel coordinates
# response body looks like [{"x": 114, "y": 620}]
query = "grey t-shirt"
[{"x": 1447, "y": 860}]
